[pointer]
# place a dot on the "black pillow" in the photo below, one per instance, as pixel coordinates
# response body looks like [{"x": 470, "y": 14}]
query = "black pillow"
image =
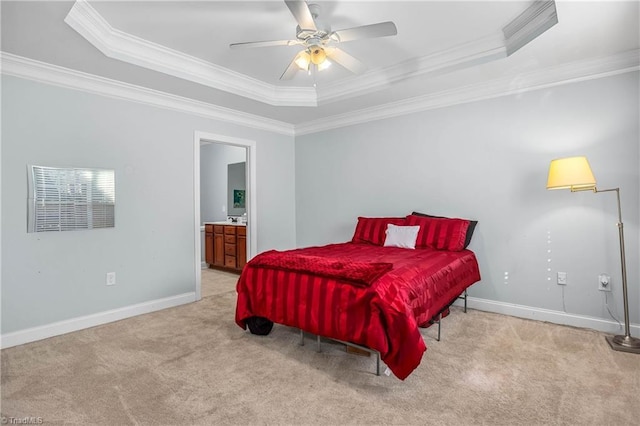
[
  {"x": 259, "y": 325},
  {"x": 470, "y": 229}
]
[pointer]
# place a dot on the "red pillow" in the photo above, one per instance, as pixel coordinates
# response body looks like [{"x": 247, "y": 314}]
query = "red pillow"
[
  {"x": 470, "y": 229},
  {"x": 440, "y": 233},
  {"x": 372, "y": 230}
]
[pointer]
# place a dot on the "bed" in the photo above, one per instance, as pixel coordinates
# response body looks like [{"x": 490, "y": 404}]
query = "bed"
[{"x": 363, "y": 291}]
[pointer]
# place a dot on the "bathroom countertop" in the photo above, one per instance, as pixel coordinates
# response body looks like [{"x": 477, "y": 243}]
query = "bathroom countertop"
[{"x": 224, "y": 222}]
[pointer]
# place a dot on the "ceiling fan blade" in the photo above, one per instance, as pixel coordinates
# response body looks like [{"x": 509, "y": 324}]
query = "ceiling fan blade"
[
  {"x": 292, "y": 69},
  {"x": 382, "y": 29},
  {"x": 343, "y": 58},
  {"x": 251, "y": 44},
  {"x": 300, "y": 10}
]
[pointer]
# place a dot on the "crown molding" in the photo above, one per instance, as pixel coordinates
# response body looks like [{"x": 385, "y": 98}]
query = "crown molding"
[
  {"x": 508, "y": 85},
  {"x": 21, "y": 67},
  {"x": 535, "y": 20},
  {"x": 30, "y": 69},
  {"x": 113, "y": 43},
  {"x": 465, "y": 55},
  {"x": 116, "y": 44}
]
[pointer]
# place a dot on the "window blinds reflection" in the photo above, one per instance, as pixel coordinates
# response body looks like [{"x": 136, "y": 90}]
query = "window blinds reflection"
[{"x": 67, "y": 199}]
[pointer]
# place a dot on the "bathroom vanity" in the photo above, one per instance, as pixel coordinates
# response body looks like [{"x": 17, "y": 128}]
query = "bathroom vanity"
[{"x": 225, "y": 245}]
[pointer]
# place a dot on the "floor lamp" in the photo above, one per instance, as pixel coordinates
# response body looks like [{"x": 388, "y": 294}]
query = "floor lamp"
[{"x": 574, "y": 173}]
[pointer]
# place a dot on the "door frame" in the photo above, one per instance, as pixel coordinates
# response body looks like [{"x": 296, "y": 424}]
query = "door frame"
[{"x": 252, "y": 222}]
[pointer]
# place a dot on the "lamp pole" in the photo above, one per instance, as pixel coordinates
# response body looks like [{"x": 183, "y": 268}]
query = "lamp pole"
[{"x": 625, "y": 343}]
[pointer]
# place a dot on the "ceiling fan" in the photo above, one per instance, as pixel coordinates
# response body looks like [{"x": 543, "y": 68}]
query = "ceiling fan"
[{"x": 318, "y": 41}]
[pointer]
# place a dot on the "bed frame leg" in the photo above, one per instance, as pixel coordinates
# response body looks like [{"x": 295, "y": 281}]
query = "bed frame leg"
[
  {"x": 465, "y": 300},
  {"x": 364, "y": 348},
  {"x": 301, "y": 337},
  {"x": 439, "y": 326}
]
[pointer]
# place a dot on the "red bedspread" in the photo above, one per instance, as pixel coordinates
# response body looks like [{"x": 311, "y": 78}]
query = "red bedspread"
[
  {"x": 383, "y": 316},
  {"x": 362, "y": 273}
]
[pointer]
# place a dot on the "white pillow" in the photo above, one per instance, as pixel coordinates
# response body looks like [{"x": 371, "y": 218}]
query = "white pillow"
[{"x": 401, "y": 236}]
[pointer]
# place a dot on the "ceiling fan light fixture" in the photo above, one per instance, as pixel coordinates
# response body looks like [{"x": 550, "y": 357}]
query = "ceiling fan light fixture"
[
  {"x": 303, "y": 60},
  {"x": 316, "y": 35},
  {"x": 323, "y": 66},
  {"x": 318, "y": 55}
]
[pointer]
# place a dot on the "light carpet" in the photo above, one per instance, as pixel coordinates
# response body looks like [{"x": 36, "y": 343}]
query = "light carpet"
[{"x": 193, "y": 365}]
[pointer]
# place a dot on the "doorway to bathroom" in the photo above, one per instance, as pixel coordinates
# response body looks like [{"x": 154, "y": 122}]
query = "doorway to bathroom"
[{"x": 224, "y": 183}]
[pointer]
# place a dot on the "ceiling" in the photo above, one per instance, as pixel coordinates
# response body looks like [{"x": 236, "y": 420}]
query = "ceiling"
[{"x": 445, "y": 51}]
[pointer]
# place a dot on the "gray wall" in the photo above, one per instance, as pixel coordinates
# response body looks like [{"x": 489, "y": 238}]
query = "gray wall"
[
  {"x": 49, "y": 277},
  {"x": 214, "y": 161},
  {"x": 488, "y": 160},
  {"x": 485, "y": 160}
]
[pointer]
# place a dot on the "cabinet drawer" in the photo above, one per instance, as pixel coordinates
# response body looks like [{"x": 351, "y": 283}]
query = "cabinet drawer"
[
  {"x": 230, "y": 230},
  {"x": 242, "y": 230},
  {"x": 230, "y": 239},
  {"x": 230, "y": 261},
  {"x": 218, "y": 229},
  {"x": 208, "y": 228},
  {"x": 230, "y": 250}
]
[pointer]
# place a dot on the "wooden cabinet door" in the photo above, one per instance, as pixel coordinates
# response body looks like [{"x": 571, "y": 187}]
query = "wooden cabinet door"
[
  {"x": 241, "y": 256},
  {"x": 208, "y": 247},
  {"x": 218, "y": 249}
]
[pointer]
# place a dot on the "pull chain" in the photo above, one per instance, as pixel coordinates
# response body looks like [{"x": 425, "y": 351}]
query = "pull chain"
[{"x": 313, "y": 70}]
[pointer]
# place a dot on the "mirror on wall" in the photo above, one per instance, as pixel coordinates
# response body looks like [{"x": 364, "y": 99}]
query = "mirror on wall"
[
  {"x": 236, "y": 189},
  {"x": 215, "y": 200}
]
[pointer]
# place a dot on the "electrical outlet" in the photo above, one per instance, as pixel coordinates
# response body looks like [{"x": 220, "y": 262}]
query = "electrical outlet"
[
  {"x": 111, "y": 278},
  {"x": 562, "y": 278},
  {"x": 604, "y": 282}
]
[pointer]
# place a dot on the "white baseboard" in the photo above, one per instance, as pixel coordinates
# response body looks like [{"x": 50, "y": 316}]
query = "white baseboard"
[
  {"x": 74, "y": 324},
  {"x": 67, "y": 326},
  {"x": 556, "y": 317}
]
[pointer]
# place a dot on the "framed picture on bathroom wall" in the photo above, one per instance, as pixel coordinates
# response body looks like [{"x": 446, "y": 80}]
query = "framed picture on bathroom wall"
[{"x": 238, "y": 198}]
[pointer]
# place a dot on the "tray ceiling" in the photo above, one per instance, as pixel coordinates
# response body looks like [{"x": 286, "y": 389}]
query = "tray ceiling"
[{"x": 182, "y": 48}]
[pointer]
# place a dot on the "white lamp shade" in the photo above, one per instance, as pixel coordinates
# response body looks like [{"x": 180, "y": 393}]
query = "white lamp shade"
[
  {"x": 571, "y": 173},
  {"x": 302, "y": 60},
  {"x": 317, "y": 54}
]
